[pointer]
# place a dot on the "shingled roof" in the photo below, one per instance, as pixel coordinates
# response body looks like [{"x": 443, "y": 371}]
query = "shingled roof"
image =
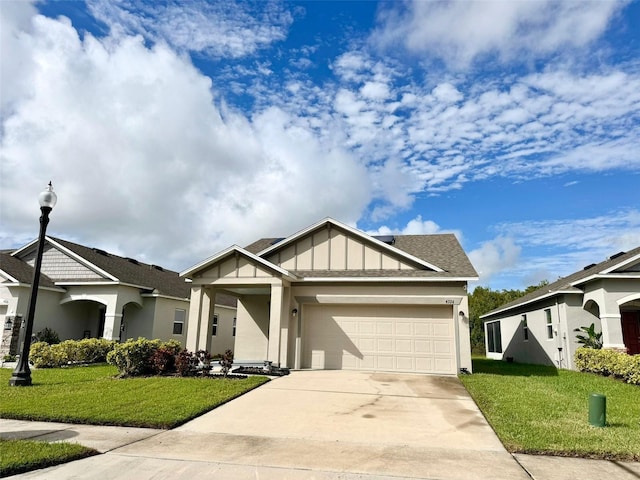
[
  {"x": 568, "y": 284},
  {"x": 441, "y": 250},
  {"x": 22, "y": 271},
  {"x": 152, "y": 278}
]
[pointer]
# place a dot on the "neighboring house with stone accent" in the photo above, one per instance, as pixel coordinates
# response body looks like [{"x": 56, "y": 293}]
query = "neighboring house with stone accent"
[
  {"x": 333, "y": 297},
  {"x": 539, "y": 327},
  {"x": 88, "y": 292}
]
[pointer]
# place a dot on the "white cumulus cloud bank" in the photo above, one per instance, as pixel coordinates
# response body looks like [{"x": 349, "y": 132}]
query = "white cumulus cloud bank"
[{"x": 143, "y": 160}]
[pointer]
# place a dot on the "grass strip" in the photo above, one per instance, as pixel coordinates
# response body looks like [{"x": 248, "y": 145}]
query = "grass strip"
[
  {"x": 19, "y": 456},
  {"x": 540, "y": 409},
  {"x": 93, "y": 395}
]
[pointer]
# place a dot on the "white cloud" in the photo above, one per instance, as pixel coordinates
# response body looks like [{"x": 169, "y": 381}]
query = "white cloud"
[
  {"x": 554, "y": 248},
  {"x": 415, "y": 226},
  {"x": 217, "y": 29},
  {"x": 494, "y": 257},
  {"x": 458, "y": 32},
  {"x": 144, "y": 161}
]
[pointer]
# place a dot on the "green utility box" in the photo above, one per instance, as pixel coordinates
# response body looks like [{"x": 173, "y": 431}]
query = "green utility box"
[{"x": 597, "y": 410}]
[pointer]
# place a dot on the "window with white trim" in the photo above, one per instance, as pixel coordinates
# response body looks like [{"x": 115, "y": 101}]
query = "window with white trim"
[
  {"x": 494, "y": 337},
  {"x": 214, "y": 326},
  {"x": 525, "y": 328},
  {"x": 547, "y": 313},
  {"x": 178, "y": 321}
]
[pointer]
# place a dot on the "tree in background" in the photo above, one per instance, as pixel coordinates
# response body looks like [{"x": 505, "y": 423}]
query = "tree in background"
[{"x": 482, "y": 301}]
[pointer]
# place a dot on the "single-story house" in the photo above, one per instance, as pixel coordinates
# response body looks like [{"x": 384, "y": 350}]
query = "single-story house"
[
  {"x": 539, "y": 327},
  {"x": 87, "y": 292},
  {"x": 333, "y": 297}
]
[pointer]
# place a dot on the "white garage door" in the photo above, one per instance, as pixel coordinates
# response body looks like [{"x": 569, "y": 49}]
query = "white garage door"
[{"x": 385, "y": 338}]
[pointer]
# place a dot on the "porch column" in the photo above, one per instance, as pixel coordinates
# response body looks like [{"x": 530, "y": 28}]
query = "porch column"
[
  {"x": 275, "y": 320},
  {"x": 208, "y": 301},
  {"x": 195, "y": 314},
  {"x": 612, "y": 331},
  {"x": 112, "y": 322}
]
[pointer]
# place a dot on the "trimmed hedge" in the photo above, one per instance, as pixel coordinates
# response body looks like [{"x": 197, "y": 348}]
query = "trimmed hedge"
[
  {"x": 143, "y": 356},
  {"x": 87, "y": 350},
  {"x": 609, "y": 363}
]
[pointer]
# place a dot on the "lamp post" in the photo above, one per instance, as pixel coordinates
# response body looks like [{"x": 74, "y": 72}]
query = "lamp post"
[{"x": 22, "y": 374}]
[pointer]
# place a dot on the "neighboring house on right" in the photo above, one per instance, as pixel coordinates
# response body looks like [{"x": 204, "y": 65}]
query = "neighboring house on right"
[{"x": 539, "y": 327}]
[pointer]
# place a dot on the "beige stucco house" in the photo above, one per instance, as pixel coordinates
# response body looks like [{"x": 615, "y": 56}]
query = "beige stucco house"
[
  {"x": 87, "y": 292},
  {"x": 333, "y": 297},
  {"x": 539, "y": 327}
]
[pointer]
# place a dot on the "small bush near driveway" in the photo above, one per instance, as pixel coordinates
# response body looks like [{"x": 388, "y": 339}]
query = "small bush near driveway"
[{"x": 538, "y": 409}]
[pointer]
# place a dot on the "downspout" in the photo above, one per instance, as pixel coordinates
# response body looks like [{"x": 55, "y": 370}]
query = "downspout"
[{"x": 561, "y": 335}]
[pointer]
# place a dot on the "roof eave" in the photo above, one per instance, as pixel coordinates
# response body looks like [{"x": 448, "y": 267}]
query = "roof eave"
[{"x": 550, "y": 294}]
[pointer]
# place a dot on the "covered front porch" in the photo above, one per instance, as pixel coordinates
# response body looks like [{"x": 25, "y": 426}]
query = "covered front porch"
[{"x": 264, "y": 310}]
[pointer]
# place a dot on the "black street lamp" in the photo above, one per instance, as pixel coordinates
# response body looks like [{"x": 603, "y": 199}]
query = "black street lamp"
[{"x": 22, "y": 374}]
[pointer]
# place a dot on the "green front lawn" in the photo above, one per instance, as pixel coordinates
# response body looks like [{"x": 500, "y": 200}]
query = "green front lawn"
[
  {"x": 93, "y": 395},
  {"x": 18, "y": 456},
  {"x": 538, "y": 409}
]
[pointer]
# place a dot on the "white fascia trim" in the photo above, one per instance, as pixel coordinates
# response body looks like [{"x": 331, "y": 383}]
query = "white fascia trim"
[
  {"x": 242, "y": 251},
  {"x": 160, "y": 295},
  {"x": 622, "y": 264},
  {"x": 355, "y": 232},
  {"x": 28, "y": 285},
  {"x": 389, "y": 279},
  {"x": 600, "y": 276},
  {"x": 73, "y": 255},
  {"x": 537, "y": 299},
  {"x": 8, "y": 277},
  {"x": 94, "y": 283}
]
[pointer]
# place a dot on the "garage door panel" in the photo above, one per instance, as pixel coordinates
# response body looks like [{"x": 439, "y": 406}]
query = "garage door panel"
[
  {"x": 423, "y": 329},
  {"x": 388, "y": 338},
  {"x": 404, "y": 328},
  {"x": 384, "y": 328},
  {"x": 404, "y": 346}
]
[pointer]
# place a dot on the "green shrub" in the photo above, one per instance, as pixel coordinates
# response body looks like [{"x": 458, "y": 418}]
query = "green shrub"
[
  {"x": 609, "y": 362},
  {"x": 94, "y": 350},
  {"x": 41, "y": 356},
  {"x": 48, "y": 335},
  {"x": 133, "y": 357},
  {"x": 88, "y": 350}
]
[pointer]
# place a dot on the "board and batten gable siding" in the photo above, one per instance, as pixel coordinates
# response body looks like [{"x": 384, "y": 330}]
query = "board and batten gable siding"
[
  {"x": 331, "y": 249},
  {"x": 59, "y": 267},
  {"x": 236, "y": 267}
]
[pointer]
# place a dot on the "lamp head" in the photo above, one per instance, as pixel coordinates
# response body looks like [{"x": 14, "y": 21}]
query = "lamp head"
[{"x": 48, "y": 197}]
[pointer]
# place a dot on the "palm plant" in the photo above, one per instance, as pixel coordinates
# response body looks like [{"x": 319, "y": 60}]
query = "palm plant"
[{"x": 592, "y": 339}]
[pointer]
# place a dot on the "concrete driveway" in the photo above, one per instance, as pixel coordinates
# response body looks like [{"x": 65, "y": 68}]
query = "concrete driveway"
[{"x": 344, "y": 422}]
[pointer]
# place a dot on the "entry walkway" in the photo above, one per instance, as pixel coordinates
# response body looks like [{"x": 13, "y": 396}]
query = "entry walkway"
[{"x": 324, "y": 425}]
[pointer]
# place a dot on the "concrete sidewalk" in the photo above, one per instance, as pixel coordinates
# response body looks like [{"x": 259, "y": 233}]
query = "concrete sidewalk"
[{"x": 318, "y": 425}]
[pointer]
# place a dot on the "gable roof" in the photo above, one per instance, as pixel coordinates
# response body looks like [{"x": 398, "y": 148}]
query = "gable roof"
[
  {"x": 21, "y": 272},
  {"x": 352, "y": 231},
  {"x": 153, "y": 278},
  {"x": 570, "y": 284},
  {"x": 442, "y": 250},
  {"x": 230, "y": 251}
]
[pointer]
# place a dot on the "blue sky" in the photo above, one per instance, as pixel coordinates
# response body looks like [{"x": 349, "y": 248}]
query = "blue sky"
[{"x": 172, "y": 130}]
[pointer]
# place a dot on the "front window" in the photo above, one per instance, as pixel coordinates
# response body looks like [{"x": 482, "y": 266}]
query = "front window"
[
  {"x": 214, "y": 326},
  {"x": 178, "y": 321},
  {"x": 494, "y": 338},
  {"x": 547, "y": 313}
]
